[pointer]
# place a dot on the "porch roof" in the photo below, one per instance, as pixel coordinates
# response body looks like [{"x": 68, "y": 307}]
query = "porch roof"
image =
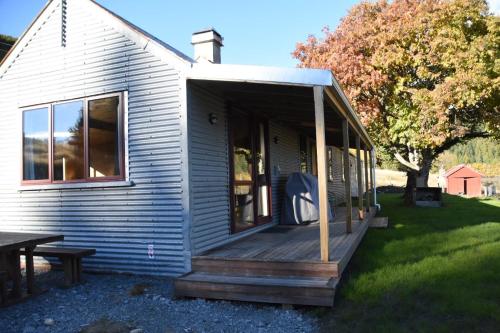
[
  {"x": 284, "y": 94},
  {"x": 261, "y": 74}
]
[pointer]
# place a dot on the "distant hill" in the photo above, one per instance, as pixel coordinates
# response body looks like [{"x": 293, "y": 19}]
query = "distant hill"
[
  {"x": 6, "y": 43},
  {"x": 482, "y": 154}
]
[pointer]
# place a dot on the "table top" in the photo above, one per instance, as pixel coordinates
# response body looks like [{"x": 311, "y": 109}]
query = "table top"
[{"x": 17, "y": 240}]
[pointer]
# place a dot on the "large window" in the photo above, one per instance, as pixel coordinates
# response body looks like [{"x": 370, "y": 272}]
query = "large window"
[{"x": 75, "y": 141}]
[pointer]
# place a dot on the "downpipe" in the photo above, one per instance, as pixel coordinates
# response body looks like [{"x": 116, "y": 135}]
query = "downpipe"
[{"x": 374, "y": 163}]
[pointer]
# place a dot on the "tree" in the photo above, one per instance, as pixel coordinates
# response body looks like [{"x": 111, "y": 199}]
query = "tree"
[
  {"x": 423, "y": 75},
  {"x": 6, "y": 43}
]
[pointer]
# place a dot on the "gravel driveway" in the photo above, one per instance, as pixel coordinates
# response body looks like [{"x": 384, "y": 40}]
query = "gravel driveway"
[{"x": 143, "y": 304}]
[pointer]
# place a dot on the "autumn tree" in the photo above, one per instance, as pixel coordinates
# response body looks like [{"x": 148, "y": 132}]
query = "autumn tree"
[{"x": 423, "y": 75}]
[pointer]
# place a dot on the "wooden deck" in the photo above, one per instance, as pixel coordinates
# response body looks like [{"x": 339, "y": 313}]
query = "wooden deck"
[{"x": 277, "y": 265}]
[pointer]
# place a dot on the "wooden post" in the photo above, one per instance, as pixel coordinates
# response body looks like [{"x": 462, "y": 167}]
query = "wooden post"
[
  {"x": 361, "y": 211},
  {"x": 367, "y": 181},
  {"x": 15, "y": 272},
  {"x": 324, "y": 233},
  {"x": 347, "y": 176},
  {"x": 30, "y": 269},
  {"x": 372, "y": 183}
]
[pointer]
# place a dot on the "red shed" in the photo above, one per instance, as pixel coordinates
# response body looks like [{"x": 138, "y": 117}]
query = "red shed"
[{"x": 462, "y": 179}]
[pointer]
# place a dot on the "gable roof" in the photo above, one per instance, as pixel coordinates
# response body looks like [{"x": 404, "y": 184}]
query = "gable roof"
[
  {"x": 460, "y": 167},
  {"x": 136, "y": 34}
]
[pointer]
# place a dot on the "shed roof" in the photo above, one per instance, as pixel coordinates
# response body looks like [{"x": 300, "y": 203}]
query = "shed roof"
[{"x": 460, "y": 167}]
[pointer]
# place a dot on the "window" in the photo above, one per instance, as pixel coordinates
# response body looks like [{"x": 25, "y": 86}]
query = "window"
[
  {"x": 68, "y": 141},
  {"x": 104, "y": 147},
  {"x": 330, "y": 164},
  {"x": 36, "y": 144},
  {"x": 342, "y": 165},
  {"x": 314, "y": 159},
  {"x": 75, "y": 141},
  {"x": 303, "y": 154}
]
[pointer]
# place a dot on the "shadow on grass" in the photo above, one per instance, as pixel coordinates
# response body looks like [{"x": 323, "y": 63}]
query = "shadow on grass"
[{"x": 434, "y": 269}]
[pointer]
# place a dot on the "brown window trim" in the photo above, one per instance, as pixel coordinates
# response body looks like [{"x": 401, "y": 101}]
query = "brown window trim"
[{"x": 87, "y": 179}]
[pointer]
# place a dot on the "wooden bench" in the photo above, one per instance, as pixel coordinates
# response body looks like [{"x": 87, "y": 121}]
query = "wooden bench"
[{"x": 71, "y": 259}]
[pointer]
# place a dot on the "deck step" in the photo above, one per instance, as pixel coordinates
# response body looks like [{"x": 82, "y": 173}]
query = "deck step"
[
  {"x": 245, "y": 267},
  {"x": 283, "y": 290}
]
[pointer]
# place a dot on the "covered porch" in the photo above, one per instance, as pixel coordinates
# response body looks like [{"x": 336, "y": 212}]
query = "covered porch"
[{"x": 271, "y": 262}]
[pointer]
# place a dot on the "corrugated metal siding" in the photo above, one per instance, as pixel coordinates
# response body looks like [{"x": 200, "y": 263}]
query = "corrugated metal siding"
[
  {"x": 336, "y": 188},
  {"x": 354, "y": 176},
  {"x": 285, "y": 159},
  {"x": 209, "y": 170},
  {"x": 119, "y": 222}
]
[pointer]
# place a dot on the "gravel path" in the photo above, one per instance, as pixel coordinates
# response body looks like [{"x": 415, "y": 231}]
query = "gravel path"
[{"x": 152, "y": 310}]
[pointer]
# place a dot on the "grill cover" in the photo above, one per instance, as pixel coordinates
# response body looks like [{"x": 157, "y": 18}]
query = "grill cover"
[{"x": 301, "y": 200}]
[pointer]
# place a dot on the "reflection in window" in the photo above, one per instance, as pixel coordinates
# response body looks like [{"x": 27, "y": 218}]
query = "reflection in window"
[
  {"x": 104, "y": 157},
  {"x": 68, "y": 141},
  {"x": 36, "y": 144},
  {"x": 243, "y": 206},
  {"x": 243, "y": 155}
]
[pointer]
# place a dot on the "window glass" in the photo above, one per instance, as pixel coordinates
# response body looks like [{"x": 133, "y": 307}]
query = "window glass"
[
  {"x": 330, "y": 164},
  {"x": 68, "y": 141},
  {"x": 103, "y": 137},
  {"x": 243, "y": 153},
  {"x": 314, "y": 160},
  {"x": 303, "y": 154},
  {"x": 36, "y": 144}
]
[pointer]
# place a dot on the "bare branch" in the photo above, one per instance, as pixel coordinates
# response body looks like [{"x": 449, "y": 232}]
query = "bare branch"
[{"x": 406, "y": 163}]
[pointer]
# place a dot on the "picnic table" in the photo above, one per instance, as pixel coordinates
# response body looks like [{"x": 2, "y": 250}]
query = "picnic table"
[{"x": 11, "y": 244}]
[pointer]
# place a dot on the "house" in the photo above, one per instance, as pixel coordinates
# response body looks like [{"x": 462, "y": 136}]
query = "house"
[
  {"x": 463, "y": 180},
  {"x": 120, "y": 142}
]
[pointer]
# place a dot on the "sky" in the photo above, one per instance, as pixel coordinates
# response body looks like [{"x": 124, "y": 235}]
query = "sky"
[{"x": 258, "y": 32}]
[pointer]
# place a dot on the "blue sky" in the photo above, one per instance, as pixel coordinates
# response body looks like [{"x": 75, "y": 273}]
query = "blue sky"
[{"x": 255, "y": 32}]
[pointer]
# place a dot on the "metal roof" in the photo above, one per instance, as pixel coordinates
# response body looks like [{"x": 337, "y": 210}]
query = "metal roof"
[
  {"x": 260, "y": 74},
  {"x": 459, "y": 167}
]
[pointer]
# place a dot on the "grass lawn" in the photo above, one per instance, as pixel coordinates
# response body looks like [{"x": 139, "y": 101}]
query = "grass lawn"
[{"x": 433, "y": 270}]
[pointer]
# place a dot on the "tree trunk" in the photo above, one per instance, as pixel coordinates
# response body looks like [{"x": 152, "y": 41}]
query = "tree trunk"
[
  {"x": 411, "y": 183},
  {"x": 418, "y": 178}
]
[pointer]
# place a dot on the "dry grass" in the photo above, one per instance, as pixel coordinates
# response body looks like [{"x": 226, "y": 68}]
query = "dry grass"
[{"x": 398, "y": 178}]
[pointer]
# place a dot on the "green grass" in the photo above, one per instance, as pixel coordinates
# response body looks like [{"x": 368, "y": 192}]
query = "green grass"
[{"x": 433, "y": 270}]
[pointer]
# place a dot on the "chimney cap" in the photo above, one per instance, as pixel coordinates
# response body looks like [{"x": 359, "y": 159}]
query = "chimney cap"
[
  {"x": 206, "y": 35},
  {"x": 208, "y": 29}
]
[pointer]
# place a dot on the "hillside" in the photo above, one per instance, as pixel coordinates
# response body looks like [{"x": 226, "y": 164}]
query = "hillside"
[{"x": 482, "y": 154}]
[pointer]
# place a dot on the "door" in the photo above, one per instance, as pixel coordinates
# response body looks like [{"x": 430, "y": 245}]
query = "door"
[
  {"x": 465, "y": 186},
  {"x": 250, "y": 185}
]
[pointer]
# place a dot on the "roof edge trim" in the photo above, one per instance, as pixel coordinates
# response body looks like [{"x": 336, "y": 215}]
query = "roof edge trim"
[{"x": 260, "y": 74}]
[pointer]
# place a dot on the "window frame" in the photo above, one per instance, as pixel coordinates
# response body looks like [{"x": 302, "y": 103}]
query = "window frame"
[
  {"x": 331, "y": 170},
  {"x": 87, "y": 178},
  {"x": 48, "y": 107}
]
